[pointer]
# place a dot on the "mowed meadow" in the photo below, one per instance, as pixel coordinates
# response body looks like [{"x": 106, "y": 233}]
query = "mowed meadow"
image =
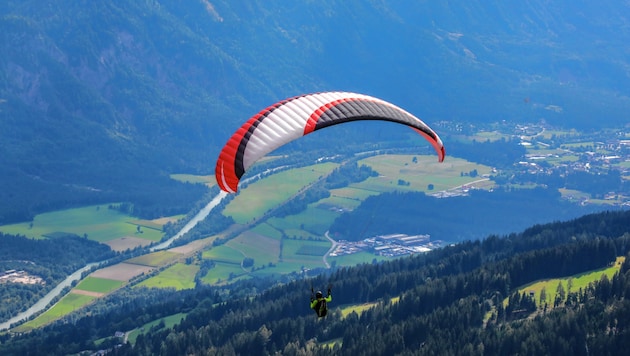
[{"x": 97, "y": 222}]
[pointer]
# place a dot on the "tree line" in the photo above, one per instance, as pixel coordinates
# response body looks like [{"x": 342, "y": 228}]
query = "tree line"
[
  {"x": 449, "y": 302},
  {"x": 457, "y": 218}
]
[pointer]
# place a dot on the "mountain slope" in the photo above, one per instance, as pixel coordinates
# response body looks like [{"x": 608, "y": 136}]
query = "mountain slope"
[
  {"x": 449, "y": 301},
  {"x": 100, "y": 97}
]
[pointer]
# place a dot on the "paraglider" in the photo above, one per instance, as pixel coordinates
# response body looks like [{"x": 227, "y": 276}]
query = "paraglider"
[{"x": 295, "y": 117}]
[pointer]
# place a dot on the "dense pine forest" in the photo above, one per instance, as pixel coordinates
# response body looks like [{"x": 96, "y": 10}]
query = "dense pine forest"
[{"x": 448, "y": 301}]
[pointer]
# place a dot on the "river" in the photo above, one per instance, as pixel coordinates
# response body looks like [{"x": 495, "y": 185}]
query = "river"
[
  {"x": 202, "y": 214},
  {"x": 44, "y": 301}
]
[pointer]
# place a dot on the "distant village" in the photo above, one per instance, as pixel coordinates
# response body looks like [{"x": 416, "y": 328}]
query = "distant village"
[
  {"x": 598, "y": 155},
  {"x": 392, "y": 245},
  {"x": 561, "y": 154}
]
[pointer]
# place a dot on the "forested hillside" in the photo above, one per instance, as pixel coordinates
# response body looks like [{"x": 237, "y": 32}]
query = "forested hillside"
[
  {"x": 448, "y": 301},
  {"x": 101, "y": 101}
]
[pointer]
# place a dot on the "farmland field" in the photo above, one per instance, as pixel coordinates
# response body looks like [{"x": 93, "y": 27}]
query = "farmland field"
[
  {"x": 121, "y": 272},
  {"x": 265, "y": 194},
  {"x": 418, "y": 175},
  {"x": 154, "y": 259},
  {"x": 224, "y": 253},
  {"x": 99, "y": 285},
  {"x": 179, "y": 276},
  {"x": 66, "y": 305},
  {"x": 97, "y": 222},
  {"x": 222, "y": 272},
  {"x": 208, "y": 180},
  {"x": 127, "y": 243},
  {"x": 261, "y": 248}
]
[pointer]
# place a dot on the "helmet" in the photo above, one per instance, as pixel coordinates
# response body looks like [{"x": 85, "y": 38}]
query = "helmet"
[{"x": 319, "y": 294}]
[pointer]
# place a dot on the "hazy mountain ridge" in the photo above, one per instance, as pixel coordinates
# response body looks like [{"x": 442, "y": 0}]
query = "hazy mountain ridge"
[{"x": 93, "y": 90}]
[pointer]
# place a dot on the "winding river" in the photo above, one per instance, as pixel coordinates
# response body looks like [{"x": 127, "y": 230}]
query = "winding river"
[{"x": 45, "y": 300}]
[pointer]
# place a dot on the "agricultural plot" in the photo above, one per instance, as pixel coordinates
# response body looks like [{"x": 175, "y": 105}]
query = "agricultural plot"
[
  {"x": 122, "y": 271},
  {"x": 155, "y": 259},
  {"x": 98, "y": 285},
  {"x": 69, "y": 303},
  {"x": 268, "y": 230},
  {"x": 261, "y": 248},
  {"x": 208, "y": 180},
  {"x": 97, "y": 222},
  {"x": 224, "y": 254},
  {"x": 303, "y": 253},
  {"x": 314, "y": 220},
  {"x": 179, "y": 276},
  {"x": 223, "y": 272},
  {"x": 418, "y": 175},
  {"x": 261, "y": 196},
  {"x": 127, "y": 243}
]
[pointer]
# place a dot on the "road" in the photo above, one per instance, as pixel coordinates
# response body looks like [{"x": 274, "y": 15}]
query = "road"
[
  {"x": 44, "y": 301},
  {"x": 331, "y": 249}
]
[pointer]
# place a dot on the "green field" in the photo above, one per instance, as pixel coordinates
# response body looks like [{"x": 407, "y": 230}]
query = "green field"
[
  {"x": 569, "y": 284},
  {"x": 209, "y": 180},
  {"x": 223, "y": 272},
  {"x": 69, "y": 303},
  {"x": 179, "y": 276},
  {"x": 313, "y": 220},
  {"x": 262, "y": 249},
  {"x": 155, "y": 259},
  {"x": 261, "y": 196},
  {"x": 165, "y": 323},
  {"x": 419, "y": 175},
  {"x": 225, "y": 254},
  {"x": 99, "y": 285},
  {"x": 98, "y": 222}
]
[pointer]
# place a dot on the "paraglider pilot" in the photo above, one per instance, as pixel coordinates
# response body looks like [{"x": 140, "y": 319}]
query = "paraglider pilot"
[{"x": 319, "y": 303}]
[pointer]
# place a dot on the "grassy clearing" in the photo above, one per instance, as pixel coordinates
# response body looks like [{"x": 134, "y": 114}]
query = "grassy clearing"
[
  {"x": 261, "y": 196},
  {"x": 360, "y": 308},
  {"x": 69, "y": 303},
  {"x": 570, "y": 284},
  {"x": 179, "y": 276},
  {"x": 156, "y": 325},
  {"x": 99, "y": 285},
  {"x": 154, "y": 259},
  {"x": 98, "y": 222},
  {"x": 331, "y": 343}
]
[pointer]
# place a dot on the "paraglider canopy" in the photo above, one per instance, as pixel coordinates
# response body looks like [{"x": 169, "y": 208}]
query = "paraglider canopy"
[{"x": 295, "y": 117}]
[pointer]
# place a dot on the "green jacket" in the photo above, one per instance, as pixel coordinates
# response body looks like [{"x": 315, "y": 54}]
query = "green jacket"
[{"x": 319, "y": 307}]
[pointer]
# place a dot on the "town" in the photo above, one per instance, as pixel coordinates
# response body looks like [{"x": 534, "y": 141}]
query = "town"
[{"x": 391, "y": 245}]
